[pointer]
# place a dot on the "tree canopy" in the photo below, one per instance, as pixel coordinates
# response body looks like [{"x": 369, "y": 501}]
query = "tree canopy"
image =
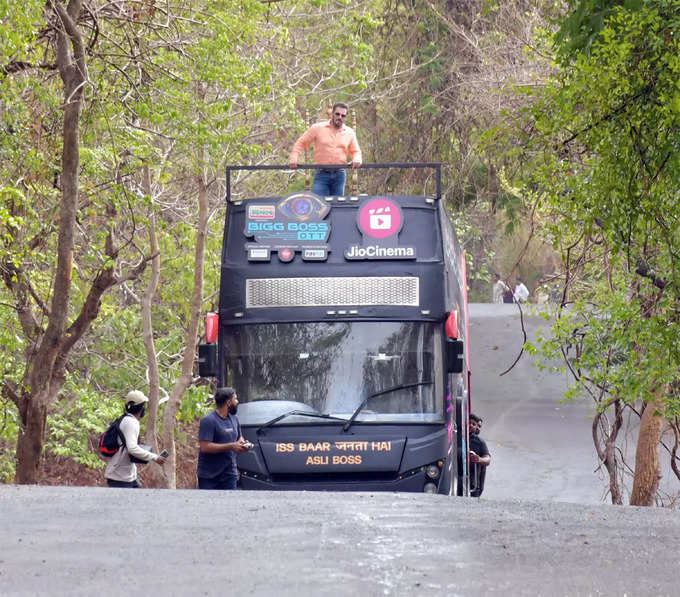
[
  {"x": 601, "y": 166},
  {"x": 557, "y": 123}
]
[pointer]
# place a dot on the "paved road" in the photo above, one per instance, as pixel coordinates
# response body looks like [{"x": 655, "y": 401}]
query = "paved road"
[
  {"x": 541, "y": 448},
  {"x": 523, "y": 538},
  {"x": 99, "y": 541}
]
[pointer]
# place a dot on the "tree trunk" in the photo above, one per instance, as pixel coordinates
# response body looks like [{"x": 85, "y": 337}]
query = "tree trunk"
[
  {"x": 31, "y": 438},
  {"x": 43, "y": 377},
  {"x": 46, "y": 360},
  {"x": 186, "y": 376},
  {"x": 156, "y": 475},
  {"x": 604, "y": 439},
  {"x": 647, "y": 466}
]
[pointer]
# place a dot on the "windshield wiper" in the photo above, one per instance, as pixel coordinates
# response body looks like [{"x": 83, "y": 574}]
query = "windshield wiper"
[
  {"x": 403, "y": 386},
  {"x": 303, "y": 413}
]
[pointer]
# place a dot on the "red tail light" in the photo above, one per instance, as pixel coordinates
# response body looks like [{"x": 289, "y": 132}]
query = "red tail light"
[
  {"x": 451, "y": 325},
  {"x": 212, "y": 322}
]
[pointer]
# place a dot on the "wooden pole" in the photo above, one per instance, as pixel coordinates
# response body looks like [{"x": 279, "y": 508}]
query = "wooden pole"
[
  {"x": 355, "y": 173},
  {"x": 308, "y": 184}
]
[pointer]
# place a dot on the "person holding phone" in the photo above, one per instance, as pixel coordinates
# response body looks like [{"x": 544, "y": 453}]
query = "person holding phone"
[
  {"x": 220, "y": 440},
  {"x": 121, "y": 470}
]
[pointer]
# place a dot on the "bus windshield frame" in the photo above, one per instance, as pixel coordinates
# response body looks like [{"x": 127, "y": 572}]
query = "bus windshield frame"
[{"x": 331, "y": 367}]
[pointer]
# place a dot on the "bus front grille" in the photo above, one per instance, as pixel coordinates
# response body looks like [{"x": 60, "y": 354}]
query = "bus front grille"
[
  {"x": 357, "y": 477},
  {"x": 332, "y": 292}
]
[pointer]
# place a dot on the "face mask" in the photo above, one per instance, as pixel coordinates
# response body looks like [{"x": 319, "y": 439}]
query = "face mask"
[{"x": 233, "y": 408}]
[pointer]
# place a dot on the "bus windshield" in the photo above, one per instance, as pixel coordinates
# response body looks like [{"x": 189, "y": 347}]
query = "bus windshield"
[{"x": 331, "y": 368}]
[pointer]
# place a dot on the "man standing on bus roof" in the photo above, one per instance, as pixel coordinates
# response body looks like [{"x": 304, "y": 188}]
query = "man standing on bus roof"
[
  {"x": 333, "y": 141},
  {"x": 479, "y": 457},
  {"x": 220, "y": 439}
]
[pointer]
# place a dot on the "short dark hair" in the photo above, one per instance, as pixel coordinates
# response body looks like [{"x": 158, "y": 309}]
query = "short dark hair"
[
  {"x": 223, "y": 395},
  {"x": 134, "y": 409},
  {"x": 340, "y": 105},
  {"x": 474, "y": 417}
]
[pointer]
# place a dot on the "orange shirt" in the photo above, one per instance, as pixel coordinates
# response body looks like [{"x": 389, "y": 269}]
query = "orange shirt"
[{"x": 331, "y": 145}]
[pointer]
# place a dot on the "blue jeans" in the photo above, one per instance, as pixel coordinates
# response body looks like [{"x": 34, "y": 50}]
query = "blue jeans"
[
  {"x": 223, "y": 481},
  {"x": 328, "y": 183}
]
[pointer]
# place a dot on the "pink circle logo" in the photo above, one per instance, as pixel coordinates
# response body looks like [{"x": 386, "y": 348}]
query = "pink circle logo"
[{"x": 380, "y": 218}]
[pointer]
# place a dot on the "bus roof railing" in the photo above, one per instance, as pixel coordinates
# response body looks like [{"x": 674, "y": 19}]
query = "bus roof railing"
[{"x": 436, "y": 166}]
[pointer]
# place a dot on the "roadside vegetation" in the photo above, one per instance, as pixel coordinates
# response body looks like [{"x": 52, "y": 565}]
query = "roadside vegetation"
[{"x": 557, "y": 122}]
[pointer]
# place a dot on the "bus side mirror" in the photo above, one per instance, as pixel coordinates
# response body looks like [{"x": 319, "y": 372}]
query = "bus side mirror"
[
  {"x": 207, "y": 360},
  {"x": 454, "y": 356}
]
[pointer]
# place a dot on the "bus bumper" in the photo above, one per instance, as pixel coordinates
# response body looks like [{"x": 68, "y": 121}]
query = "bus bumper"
[{"x": 412, "y": 483}]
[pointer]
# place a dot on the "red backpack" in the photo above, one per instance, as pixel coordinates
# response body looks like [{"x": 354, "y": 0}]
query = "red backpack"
[{"x": 108, "y": 442}]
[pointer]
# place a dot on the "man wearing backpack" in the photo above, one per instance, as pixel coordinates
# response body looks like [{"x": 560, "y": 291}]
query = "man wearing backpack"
[{"x": 121, "y": 470}]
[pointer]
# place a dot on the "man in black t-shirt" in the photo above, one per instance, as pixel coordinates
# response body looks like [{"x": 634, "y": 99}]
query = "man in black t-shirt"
[
  {"x": 479, "y": 457},
  {"x": 220, "y": 439}
]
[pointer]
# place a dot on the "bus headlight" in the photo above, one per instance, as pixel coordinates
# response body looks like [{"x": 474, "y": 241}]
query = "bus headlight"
[
  {"x": 432, "y": 471},
  {"x": 430, "y": 488}
]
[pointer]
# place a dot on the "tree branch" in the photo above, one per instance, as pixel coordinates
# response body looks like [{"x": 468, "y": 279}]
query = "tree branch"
[
  {"x": 644, "y": 270},
  {"x": 10, "y": 392},
  {"x": 611, "y": 115}
]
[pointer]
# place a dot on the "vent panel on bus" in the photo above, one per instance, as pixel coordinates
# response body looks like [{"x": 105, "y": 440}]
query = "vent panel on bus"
[{"x": 332, "y": 292}]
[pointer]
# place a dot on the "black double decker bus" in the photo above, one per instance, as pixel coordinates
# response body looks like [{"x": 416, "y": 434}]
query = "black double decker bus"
[{"x": 342, "y": 325}]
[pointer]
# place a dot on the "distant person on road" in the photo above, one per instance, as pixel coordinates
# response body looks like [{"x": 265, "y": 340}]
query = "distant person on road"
[
  {"x": 521, "y": 292},
  {"x": 333, "y": 141},
  {"x": 499, "y": 287},
  {"x": 220, "y": 440},
  {"x": 479, "y": 457},
  {"x": 121, "y": 470}
]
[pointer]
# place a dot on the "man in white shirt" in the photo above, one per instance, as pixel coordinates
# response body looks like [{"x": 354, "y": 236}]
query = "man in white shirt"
[
  {"x": 121, "y": 471},
  {"x": 499, "y": 287},
  {"x": 521, "y": 292}
]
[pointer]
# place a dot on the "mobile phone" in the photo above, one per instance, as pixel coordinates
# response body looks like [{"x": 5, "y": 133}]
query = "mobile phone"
[
  {"x": 249, "y": 445},
  {"x": 164, "y": 454}
]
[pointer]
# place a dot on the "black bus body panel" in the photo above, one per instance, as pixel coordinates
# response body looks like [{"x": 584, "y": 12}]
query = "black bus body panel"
[
  {"x": 413, "y": 446},
  {"x": 421, "y": 230},
  {"x": 378, "y": 457}
]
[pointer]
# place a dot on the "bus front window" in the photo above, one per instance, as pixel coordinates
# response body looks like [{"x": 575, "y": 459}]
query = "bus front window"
[{"x": 333, "y": 367}]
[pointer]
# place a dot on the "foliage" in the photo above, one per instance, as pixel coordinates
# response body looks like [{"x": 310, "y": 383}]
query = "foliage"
[
  {"x": 585, "y": 19},
  {"x": 601, "y": 157},
  {"x": 183, "y": 89},
  {"x": 9, "y": 428},
  {"x": 182, "y": 92},
  {"x": 468, "y": 59},
  {"x": 79, "y": 417}
]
